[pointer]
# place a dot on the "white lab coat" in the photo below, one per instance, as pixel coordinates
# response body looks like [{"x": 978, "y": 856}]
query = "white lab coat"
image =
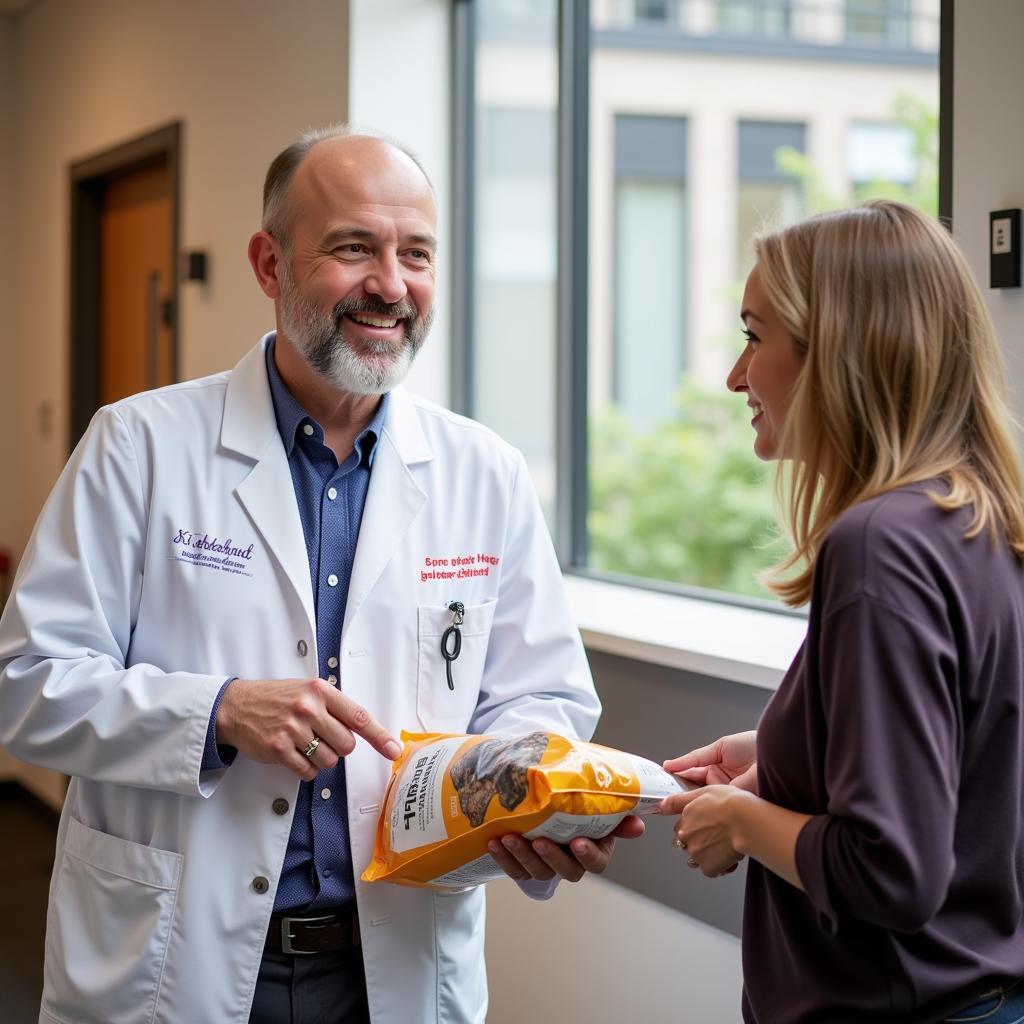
[{"x": 116, "y": 641}]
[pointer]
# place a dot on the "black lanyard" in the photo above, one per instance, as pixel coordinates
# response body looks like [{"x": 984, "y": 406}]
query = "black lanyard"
[{"x": 451, "y": 639}]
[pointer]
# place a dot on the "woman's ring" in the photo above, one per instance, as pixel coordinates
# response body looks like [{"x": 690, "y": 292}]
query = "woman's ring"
[
  {"x": 313, "y": 744},
  {"x": 678, "y": 843}
]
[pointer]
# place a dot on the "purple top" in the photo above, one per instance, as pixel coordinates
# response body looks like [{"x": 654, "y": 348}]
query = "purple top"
[{"x": 900, "y": 728}]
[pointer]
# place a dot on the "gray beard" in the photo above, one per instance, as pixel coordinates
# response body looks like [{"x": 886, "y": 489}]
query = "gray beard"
[{"x": 371, "y": 369}]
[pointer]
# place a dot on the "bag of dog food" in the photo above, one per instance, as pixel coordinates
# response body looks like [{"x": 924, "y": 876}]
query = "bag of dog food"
[{"x": 449, "y": 795}]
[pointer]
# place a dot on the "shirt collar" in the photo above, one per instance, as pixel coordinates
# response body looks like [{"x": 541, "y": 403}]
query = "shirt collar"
[{"x": 290, "y": 415}]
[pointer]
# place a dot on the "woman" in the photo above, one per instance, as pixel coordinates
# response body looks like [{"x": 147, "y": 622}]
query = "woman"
[{"x": 880, "y": 801}]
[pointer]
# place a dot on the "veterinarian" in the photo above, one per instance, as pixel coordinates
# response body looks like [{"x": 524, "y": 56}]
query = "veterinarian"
[{"x": 235, "y": 598}]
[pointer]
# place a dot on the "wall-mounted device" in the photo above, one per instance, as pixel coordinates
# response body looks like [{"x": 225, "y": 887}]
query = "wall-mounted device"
[
  {"x": 1004, "y": 249},
  {"x": 194, "y": 265}
]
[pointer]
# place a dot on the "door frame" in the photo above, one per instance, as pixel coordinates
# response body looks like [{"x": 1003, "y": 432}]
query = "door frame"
[{"x": 87, "y": 182}]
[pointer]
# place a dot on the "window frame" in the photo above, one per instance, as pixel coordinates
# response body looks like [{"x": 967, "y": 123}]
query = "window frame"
[{"x": 572, "y": 333}]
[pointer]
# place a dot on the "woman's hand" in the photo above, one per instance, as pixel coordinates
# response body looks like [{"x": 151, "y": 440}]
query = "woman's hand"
[
  {"x": 730, "y": 760},
  {"x": 705, "y": 830},
  {"x": 719, "y": 825}
]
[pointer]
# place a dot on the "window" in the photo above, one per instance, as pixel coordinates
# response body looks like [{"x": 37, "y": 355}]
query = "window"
[
  {"x": 641, "y": 12},
  {"x": 515, "y": 230},
  {"x": 754, "y": 17},
  {"x": 768, "y": 195},
  {"x": 651, "y": 10},
  {"x": 878, "y": 22},
  {"x": 878, "y": 156},
  {"x": 615, "y": 179},
  {"x": 648, "y": 256}
]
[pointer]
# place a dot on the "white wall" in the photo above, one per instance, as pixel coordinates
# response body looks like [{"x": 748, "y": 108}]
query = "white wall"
[
  {"x": 400, "y": 83},
  {"x": 597, "y": 952},
  {"x": 243, "y": 77},
  {"x": 988, "y": 151}
]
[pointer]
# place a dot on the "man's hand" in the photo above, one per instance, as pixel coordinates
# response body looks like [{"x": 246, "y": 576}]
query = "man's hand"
[
  {"x": 541, "y": 859},
  {"x": 274, "y": 720}
]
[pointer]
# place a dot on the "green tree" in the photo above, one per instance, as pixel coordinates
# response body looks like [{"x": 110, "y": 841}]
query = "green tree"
[
  {"x": 687, "y": 502},
  {"x": 922, "y": 123}
]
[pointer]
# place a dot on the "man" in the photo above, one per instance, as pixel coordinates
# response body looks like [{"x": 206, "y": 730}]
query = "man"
[{"x": 236, "y": 595}]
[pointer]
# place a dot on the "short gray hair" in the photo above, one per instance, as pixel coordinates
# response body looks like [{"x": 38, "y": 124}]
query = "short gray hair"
[{"x": 276, "y": 214}]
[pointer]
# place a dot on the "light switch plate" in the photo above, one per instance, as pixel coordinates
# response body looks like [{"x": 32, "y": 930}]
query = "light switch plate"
[
  {"x": 1001, "y": 232},
  {"x": 1004, "y": 249}
]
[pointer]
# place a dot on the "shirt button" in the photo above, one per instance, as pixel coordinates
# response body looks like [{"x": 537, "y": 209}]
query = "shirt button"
[
  {"x": 280, "y": 806},
  {"x": 325, "y": 793},
  {"x": 332, "y": 662},
  {"x": 327, "y": 873},
  {"x": 260, "y": 884},
  {"x": 301, "y": 648},
  {"x": 307, "y": 429},
  {"x": 332, "y": 679},
  {"x": 332, "y": 580},
  {"x": 331, "y": 493}
]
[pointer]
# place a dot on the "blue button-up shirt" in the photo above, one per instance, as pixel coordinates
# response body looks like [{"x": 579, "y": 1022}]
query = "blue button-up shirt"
[{"x": 317, "y": 872}]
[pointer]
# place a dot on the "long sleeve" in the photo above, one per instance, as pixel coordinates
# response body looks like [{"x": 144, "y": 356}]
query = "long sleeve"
[
  {"x": 883, "y": 852},
  {"x": 71, "y": 697}
]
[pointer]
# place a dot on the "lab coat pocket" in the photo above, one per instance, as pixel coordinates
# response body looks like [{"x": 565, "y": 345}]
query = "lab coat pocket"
[
  {"x": 441, "y": 708},
  {"x": 107, "y": 931}
]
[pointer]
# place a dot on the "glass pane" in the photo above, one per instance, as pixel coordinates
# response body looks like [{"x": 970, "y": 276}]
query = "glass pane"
[
  {"x": 769, "y": 194},
  {"x": 784, "y": 116},
  {"x": 640, "y": 12},
  {"x": 754, "y": 17},
  {"x": 761, "y": 206},
  {"x": 650, "y": 346},
  {"x": 878, "y": 22},
  {"x": 515, "y": 234}
]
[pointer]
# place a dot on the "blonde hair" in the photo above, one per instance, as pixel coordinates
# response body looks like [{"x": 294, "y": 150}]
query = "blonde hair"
[{"x": 902, "y": 378}]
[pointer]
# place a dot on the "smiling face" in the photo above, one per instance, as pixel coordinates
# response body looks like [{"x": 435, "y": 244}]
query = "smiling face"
[
  {"x": 767, "y": 369},
  {"x": 356, "y": 275}
]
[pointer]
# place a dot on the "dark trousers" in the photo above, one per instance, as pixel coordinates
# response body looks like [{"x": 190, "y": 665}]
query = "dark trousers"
[{"x": 321, "y": 988}]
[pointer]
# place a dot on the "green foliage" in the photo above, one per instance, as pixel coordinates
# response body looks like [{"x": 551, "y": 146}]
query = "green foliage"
[
  {"x": 922, "y": 122},
  {"x": 687, "y": 502}
]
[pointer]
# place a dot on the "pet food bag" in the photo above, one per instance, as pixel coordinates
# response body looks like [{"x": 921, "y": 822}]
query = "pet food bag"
[{"x": 449, "y": 795}]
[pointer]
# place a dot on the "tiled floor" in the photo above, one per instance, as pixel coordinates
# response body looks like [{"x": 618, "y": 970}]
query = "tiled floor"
[{"x": 27, "y": 829}]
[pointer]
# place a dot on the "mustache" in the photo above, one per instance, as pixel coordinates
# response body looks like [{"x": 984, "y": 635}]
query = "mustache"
[{"x": 403, "y": 310}]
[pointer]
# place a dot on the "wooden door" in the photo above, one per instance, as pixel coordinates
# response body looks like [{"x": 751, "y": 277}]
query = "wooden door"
[{"x": 136, "y": 231}]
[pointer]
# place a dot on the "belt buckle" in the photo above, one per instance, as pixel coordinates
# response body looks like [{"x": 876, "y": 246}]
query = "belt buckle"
[{"x": 286, "y": 935}]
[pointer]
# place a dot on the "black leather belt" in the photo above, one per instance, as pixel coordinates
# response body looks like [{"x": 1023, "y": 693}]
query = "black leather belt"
[{"x": 324, "y": 933}]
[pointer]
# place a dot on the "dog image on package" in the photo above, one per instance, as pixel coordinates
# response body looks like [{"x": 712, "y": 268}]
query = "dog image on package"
[{"x": 450, "y": 794}]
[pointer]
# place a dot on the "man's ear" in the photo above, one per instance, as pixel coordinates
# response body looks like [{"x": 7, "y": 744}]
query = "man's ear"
[{"x": 265, "y": 258}]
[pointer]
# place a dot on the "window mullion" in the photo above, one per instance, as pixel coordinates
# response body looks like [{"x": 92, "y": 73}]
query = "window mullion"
[
  {"x": 571, "y": 370},
  {"x": 463, "y": 288}
]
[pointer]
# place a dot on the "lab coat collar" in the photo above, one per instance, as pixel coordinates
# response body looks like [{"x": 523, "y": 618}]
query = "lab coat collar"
[
  {"x": 250, "y": 425},
  {"x": 403, "y": 428},
  {"x": 392, "y": 503},
  {"x": 250, "y": 428}
]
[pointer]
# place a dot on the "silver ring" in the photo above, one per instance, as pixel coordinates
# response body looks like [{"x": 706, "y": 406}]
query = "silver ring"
[
  {"x": 678, "y": 843},
  {"x": 313, "y": 744}
]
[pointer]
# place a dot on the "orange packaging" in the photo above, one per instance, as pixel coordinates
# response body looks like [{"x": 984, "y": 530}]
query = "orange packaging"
[{"x": 450, "y": 794}]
